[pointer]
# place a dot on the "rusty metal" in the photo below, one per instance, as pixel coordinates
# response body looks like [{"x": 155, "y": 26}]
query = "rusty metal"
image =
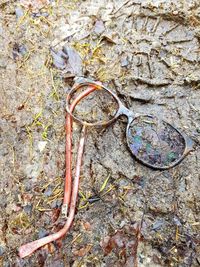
[
  {"x": 29, "y": 248},
  {"x": 70, "y": 195}
]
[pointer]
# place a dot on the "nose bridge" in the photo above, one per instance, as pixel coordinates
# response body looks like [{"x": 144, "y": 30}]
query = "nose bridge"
[{"x": 126, "y": 112}]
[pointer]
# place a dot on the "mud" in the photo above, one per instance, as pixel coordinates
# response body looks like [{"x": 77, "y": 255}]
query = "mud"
[{"x": 148, "y": 53}]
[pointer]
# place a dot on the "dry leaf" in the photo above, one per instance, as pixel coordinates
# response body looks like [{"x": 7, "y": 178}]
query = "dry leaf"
[
  {"x": 83, "y": 251},
  {"x": 67, "y": 60},
  {"x": 87, "y": 226}
]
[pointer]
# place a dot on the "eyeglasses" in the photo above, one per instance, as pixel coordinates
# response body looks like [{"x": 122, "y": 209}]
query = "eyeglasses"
[{"x": 152, "y": 141}]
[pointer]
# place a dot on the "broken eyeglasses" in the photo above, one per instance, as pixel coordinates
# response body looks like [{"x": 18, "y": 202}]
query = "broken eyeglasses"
[
  {"x": 151, "y": 140},
  {"x": 154, "y": 142}
]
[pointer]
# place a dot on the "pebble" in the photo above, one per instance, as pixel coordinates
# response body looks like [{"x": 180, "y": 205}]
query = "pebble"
[
  {"x": 124, "y": 62},
  {"x": 156, "y": 45},
  {"x": 99, "y": 27},
  {"x": 28, "y": 209},
  {"x": 157, "y": 225},
  {"x": 42, "y": 233},
  {"x": 56, "y": 203},
  {"x": 3, "y": 61},
  {"x": 142, "y": 182},
  {"x": 42, "y": 145},
  {"x": 19, "y": 12},
  {"x": 177, "y": 221},
  {"x": 41, "y": 14},
  {"x": 48, "y": 191},
  {"x": 2, "y": 250}
]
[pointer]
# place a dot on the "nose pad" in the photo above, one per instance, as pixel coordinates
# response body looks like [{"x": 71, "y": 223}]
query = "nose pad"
[{"x": 155, "y": 142}]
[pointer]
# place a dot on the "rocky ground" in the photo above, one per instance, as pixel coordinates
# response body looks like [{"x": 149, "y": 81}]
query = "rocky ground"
[{"x": 148, "y": 53}]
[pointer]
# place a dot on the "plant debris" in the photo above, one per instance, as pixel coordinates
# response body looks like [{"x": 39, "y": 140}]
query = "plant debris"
[
  {"x": 147, "y": 52},
  {"x": 34, "y": 5},
  {"x": 124, "y": 242},
  {"x": 67, "y": 60}
]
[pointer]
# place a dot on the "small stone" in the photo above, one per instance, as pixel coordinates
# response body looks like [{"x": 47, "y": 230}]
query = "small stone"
[
  {"x": 28, "y": 209},
  {"x": 48, "y": 191},
  {"x": 142, "y": 182},
  {"x": 156, "y": 45},
  {"x": 177, "y": 221},
  {"x": 16, "y": 208},
  {"x": 32, "y": 171},
  {"x": 124, "y": 62},
  {"x": 157, "y": 225},
  {"x": 56, "y": 203},
  {"x": 19, "y": 12},
  {"x": 99, "y": 27},
  {"x": 57, "y": 263},
  {"x": 42, "y": 145},
  {"x": 3, "y": 61},
  {"x": 2, "y": 250},
  {"x": 41, "y": 14},
  {"x": 59, "y": 59},
  {"x": 59, "y": 203},
  {"x": 22, "y": 50},
  {"x": 28, "y": 186},
  {"x": 19, "y": 51},
  {"x": 42, "y": 233}
]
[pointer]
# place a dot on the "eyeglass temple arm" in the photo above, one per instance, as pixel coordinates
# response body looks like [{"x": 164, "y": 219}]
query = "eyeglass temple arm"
[
  {"x": 68, "y": 175},
  {"x": 29, "y": 248}
]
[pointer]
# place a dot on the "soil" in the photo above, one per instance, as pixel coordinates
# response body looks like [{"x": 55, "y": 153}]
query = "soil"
[{"x": 148, "y": 53}]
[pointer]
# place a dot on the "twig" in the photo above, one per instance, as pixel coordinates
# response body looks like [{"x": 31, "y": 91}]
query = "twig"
[
  {"x": 156, "y": 24},
  {"x": 167, "y": 65},
  {"x": 118, "y": 9},
  {"x": 138, "y": 238},
  {"x": 145, "y": 23},
  {"x": 149, "y": 65},
  {"x": 171, "y": 29},
  {"x": 179, "y": 41}
]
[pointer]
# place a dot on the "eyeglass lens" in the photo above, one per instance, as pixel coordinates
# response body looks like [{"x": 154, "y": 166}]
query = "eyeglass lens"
[{"x": 155, "y": 142}]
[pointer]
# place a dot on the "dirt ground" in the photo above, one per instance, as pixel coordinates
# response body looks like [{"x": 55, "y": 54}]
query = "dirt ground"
[{"x": 148, "y": 53}]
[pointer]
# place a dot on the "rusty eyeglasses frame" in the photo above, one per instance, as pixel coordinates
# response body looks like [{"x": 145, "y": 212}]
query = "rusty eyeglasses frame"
[
  {"x": 139, "y": 125},
  {"x": 139, "y": 131}
]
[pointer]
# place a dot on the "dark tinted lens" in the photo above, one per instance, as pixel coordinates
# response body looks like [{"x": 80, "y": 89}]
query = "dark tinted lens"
[
  {"x": 97, "y": 107},
  {"x": 155, "y": 142}
]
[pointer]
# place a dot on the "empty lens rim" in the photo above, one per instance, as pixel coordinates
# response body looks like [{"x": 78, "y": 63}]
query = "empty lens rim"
[{"x": 96, "y": 86}]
